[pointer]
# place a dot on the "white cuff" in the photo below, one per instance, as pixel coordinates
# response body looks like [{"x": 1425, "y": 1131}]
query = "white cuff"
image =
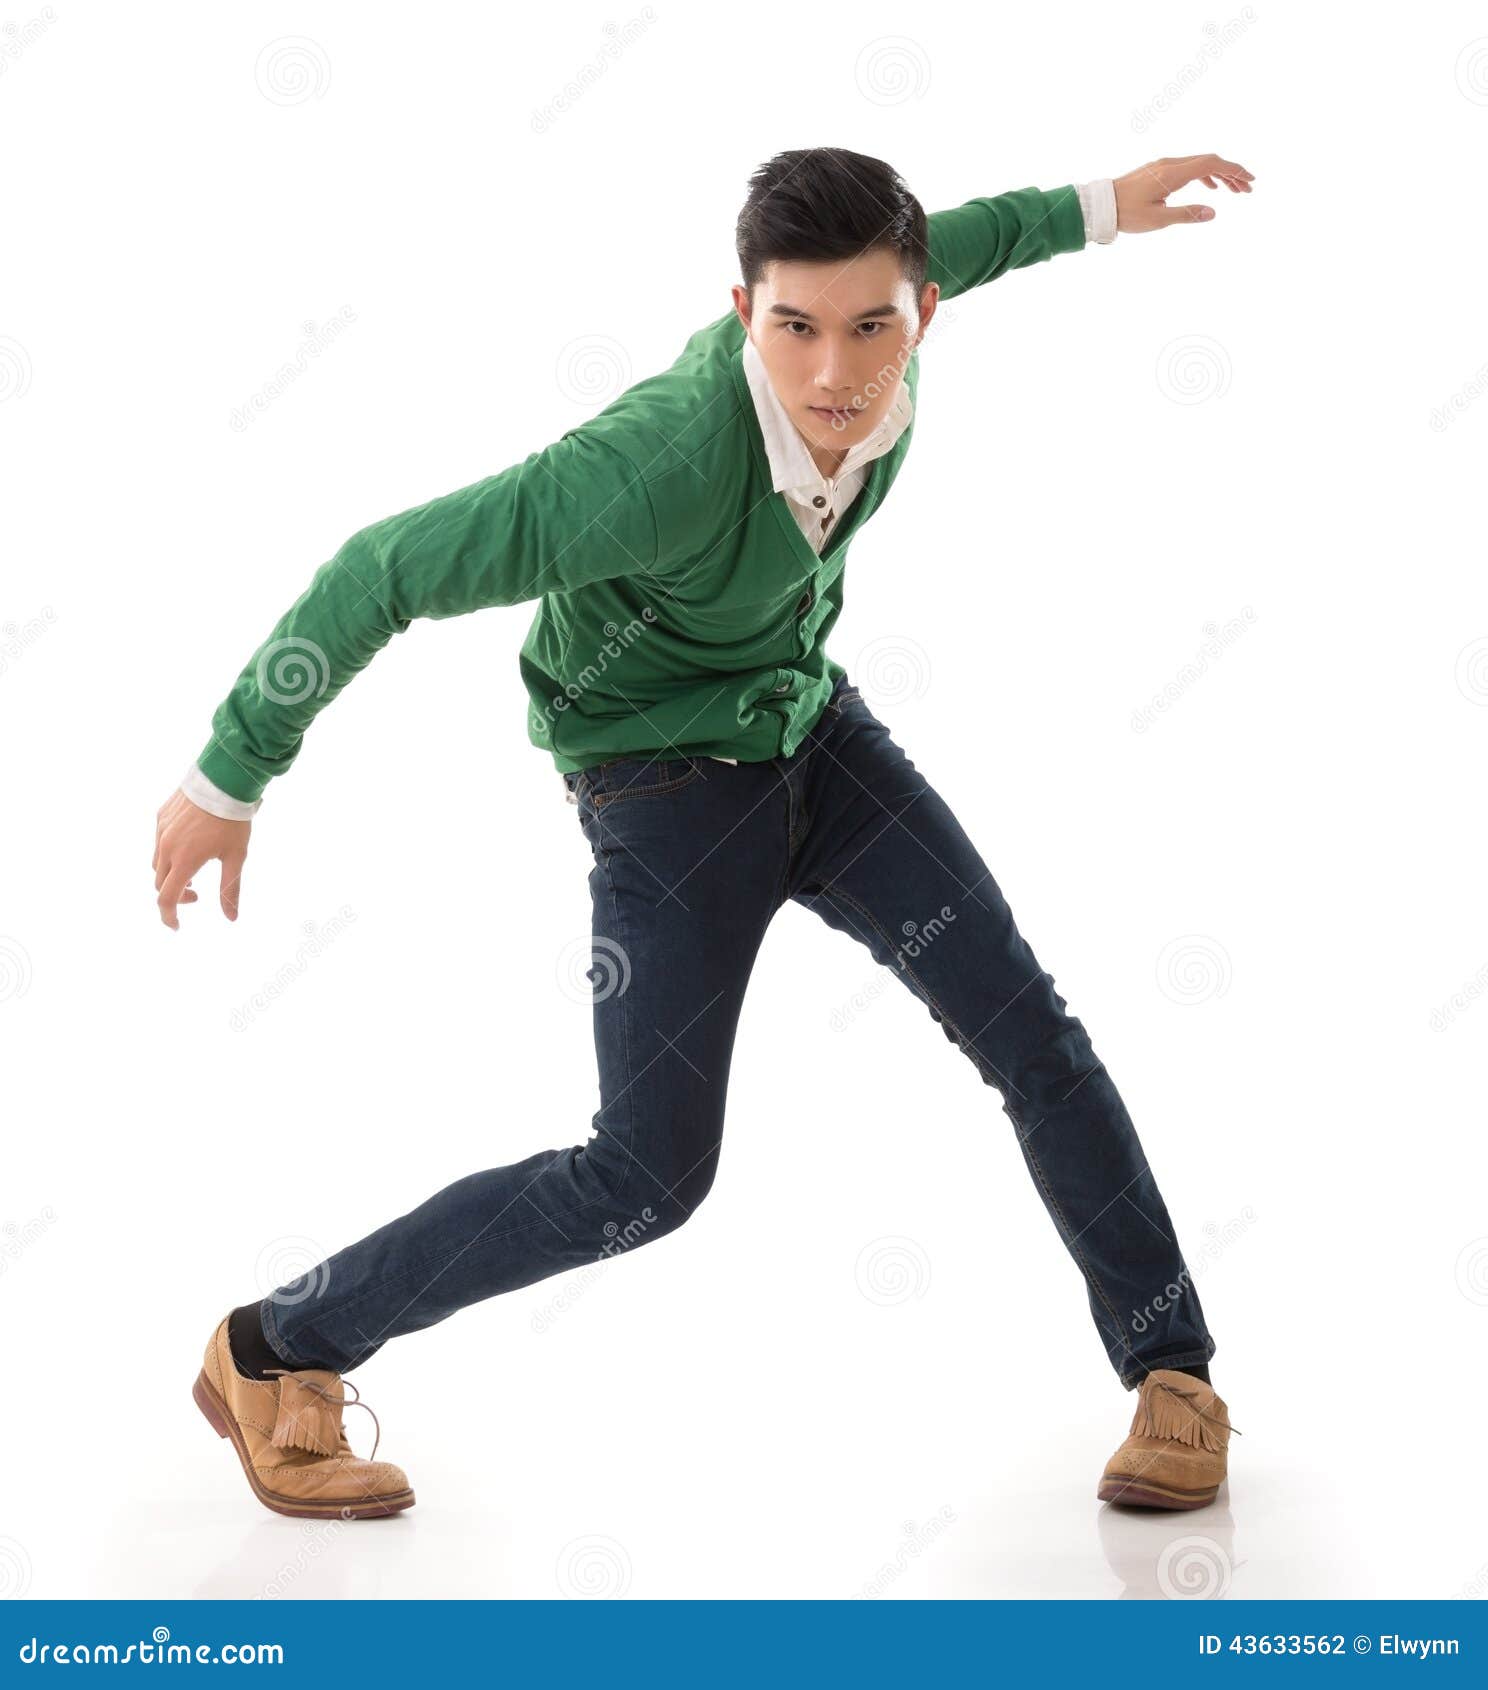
[
  {"x": 1098, "y": 205},
  {"x": 208, "y": 796}
]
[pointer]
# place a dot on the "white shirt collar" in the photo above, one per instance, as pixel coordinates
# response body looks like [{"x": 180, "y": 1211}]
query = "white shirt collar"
[{"x": 792, "y": 469}]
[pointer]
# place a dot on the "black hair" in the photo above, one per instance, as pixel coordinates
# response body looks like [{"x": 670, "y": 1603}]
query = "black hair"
[{"x": 817, "y": 204}]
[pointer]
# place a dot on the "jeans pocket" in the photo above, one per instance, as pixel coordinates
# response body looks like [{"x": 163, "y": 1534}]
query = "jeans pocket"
[
  {"x": 623, "y": 779},
  {"x": 848, "y": 695}
]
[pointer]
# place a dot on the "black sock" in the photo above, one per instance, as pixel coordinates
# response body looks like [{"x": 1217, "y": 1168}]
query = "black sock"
[
  {"x": 250, "y": 1349},
  {"x": 1199, "y": 1372}
]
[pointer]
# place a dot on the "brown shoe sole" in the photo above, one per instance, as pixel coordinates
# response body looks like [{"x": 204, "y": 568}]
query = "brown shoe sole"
[
  {"x": 219, "y": 1418},
  {"x": 1144, "y": 1493}
]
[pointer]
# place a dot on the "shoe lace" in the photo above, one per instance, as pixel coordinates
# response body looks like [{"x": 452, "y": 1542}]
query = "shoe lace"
[
  {"x": 1190, "y": 1398},
  {"x": 348, "y": 1402}
]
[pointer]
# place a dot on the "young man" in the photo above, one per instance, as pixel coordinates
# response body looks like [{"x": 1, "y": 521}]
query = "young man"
[{"x": 687, "y": 548}]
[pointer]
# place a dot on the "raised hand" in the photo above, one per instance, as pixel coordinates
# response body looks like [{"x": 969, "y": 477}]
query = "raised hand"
[{"x": 1141, "y": 195}]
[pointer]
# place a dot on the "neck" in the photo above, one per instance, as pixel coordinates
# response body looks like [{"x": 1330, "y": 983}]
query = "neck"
[{"x": 825, "y": 458}]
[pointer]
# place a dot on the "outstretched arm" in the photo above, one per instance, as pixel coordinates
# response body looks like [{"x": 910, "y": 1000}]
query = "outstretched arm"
[
  {"x": 574, "y": 513},
  {"x": 983, "y": 239}
]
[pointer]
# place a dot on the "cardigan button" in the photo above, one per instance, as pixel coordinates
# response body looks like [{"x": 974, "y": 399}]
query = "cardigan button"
[{"x": 783, "y": 687}]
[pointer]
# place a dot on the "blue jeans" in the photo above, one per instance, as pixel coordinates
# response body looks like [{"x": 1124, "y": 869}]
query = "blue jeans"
[{"x": 692, "y": 858}]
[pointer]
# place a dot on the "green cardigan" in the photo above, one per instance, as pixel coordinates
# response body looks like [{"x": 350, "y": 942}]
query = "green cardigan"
[{"x": 681, "y": 609}]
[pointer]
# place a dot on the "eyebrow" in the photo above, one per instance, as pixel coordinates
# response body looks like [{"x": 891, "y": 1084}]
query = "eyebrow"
[{"x": 796, "y": 311}]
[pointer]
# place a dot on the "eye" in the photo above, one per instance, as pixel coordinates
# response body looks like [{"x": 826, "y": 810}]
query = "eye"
[
  {"x": 874, "y": 326},
  {"x": 796, "y": 323}
]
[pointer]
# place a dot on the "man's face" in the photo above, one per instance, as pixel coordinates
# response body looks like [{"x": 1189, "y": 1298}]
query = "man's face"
[{"x": 834, "y": 339}]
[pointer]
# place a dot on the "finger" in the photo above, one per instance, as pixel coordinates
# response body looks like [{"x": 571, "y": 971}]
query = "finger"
[
  {"x": 1208, "y": 181},
  {"x": 188, "y": 896},
  {"x": 232, "y": 880},
  {"x": 1176, "y": 173},
  {"x": 1167, "y": 215},
  {"x": 170, "y": 896}
]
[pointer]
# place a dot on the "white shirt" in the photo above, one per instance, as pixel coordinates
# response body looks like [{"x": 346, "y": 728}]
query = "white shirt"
[{"x": 818, "y": 502}]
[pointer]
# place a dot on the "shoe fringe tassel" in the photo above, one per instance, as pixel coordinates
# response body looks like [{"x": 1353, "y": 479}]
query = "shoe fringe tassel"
[{"x": 1165, "y": 1412}]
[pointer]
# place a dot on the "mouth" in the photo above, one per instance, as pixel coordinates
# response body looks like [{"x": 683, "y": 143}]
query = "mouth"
[{"x": 843, "y": 414}]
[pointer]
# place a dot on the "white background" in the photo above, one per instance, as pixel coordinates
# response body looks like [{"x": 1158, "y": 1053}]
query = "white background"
[{"x": 1257, "y": 905}]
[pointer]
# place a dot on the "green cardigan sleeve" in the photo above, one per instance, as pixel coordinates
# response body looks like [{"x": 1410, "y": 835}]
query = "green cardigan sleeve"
[
  {"x": 976, "y": 242},
  {"x": 576, "y": 512}
]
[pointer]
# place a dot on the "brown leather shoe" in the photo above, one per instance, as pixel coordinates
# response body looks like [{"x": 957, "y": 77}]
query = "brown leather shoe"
[
  {"x": 1175, "y": 1454},
  {"x": 287, "y": 1433}
]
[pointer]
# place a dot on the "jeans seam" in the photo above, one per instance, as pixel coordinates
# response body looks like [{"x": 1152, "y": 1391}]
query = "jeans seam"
[
  {"x": 624, "y": 1023},
  {"x": 1071, "y": 1242}
]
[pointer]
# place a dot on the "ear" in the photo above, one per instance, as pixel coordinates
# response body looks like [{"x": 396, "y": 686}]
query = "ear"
[
  {"x": 741, "y": 304},
  {"x": 929, "y": 299}
]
